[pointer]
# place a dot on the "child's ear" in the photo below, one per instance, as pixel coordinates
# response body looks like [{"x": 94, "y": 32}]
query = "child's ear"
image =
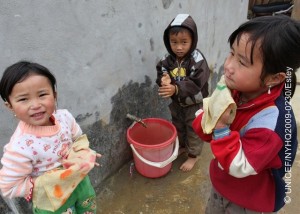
[
  {"x": 275, "y": 79},
  {"x": 8, "y": 105}
]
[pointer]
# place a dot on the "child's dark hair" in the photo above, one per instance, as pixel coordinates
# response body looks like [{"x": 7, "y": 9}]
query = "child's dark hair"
[
  {"x": 177, "y": 29},
  {"x": 278, "y": 38},
  {"x": 18, "y": 72}
]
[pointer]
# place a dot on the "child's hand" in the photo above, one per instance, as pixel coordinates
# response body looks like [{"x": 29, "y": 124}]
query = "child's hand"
[
  {"x": 98, "y": 156},
  {"x": 166, "y": 79},
  {"x": 224, "y": 120},
  {"x": 166, "y": 91}
]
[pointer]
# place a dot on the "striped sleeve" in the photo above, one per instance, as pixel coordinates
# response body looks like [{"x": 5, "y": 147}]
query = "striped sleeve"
[
  {"x": 252, "y": 149},
  {"x": 76, "y": 131},
  {"x": 15, "y": 174}
]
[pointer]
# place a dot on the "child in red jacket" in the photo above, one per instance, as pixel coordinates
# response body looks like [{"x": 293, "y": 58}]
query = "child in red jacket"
[{"x": 253, "y": 154}]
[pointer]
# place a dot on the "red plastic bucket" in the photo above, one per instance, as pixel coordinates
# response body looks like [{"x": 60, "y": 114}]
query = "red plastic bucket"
[{"x": 154, "y": 147}]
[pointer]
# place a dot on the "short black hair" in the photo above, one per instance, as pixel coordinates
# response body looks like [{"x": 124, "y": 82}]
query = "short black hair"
[
  {"x": 279, "y": 39},
  {"x": 177, "y": 29},
  {"x": 18, "y": 72}
]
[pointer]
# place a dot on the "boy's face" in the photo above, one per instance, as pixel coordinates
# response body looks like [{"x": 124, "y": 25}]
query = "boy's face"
[
  {"x": 239, "y": 73},
  {"x": 181, "y": 43}
]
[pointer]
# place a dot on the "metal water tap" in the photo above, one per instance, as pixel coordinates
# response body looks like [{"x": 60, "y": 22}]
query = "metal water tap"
[{"x": 136, "y": 119}]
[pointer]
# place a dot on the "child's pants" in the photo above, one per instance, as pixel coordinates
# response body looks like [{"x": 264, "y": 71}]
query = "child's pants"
[
  {"x": 81, "y": 201},
  {"x": 182, "y": 118},
  {"x": 217, "y": 204}
]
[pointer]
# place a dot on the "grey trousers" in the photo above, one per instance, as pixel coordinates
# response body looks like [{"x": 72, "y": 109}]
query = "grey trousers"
[{"x": 217, "y": 204}]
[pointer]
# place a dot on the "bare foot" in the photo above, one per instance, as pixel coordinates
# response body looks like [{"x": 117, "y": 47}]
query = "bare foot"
[{"x": 188, "y": 164}]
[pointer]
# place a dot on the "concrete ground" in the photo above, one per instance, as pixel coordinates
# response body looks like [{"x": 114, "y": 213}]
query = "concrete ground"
[{"x": 177, "y": 192}]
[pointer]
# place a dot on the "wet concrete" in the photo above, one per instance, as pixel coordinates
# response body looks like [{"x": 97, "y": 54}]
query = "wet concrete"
[{"x": 177, "y": 192}]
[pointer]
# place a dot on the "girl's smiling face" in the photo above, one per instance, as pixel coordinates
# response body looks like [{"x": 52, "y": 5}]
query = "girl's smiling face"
[
  {"x": 239, "y": 73},
  {"x": 33, "y": 101}
]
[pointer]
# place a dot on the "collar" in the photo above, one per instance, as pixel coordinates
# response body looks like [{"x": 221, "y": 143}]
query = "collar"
[
  {"x": 40, "y": 131},
  {"x": 261, "y": 99}
]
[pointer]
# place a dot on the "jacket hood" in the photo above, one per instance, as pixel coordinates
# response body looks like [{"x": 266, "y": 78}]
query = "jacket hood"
[{"x": 186, "y": 21}]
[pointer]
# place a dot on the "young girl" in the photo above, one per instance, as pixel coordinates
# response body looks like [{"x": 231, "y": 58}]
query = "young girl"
[
  {"x": 42, "y": 140},
  {"x": 254, "y": 152}
]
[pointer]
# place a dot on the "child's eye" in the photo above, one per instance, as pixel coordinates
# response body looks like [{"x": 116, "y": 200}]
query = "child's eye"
[
  {"x": 21, "y": 99},
  {"x": 241, "y": 62},
  {"x": 44, "y": 94}
]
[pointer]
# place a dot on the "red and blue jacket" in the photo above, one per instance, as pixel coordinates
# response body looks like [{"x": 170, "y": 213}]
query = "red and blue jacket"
[{"x": 251, "y": 163}]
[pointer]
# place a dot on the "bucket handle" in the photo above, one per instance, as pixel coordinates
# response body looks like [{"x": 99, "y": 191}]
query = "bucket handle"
[{"x": 158, "y": 164}]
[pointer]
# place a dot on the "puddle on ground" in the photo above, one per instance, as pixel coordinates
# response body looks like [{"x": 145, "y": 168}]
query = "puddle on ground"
[{"x": 176, "y": 192}]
